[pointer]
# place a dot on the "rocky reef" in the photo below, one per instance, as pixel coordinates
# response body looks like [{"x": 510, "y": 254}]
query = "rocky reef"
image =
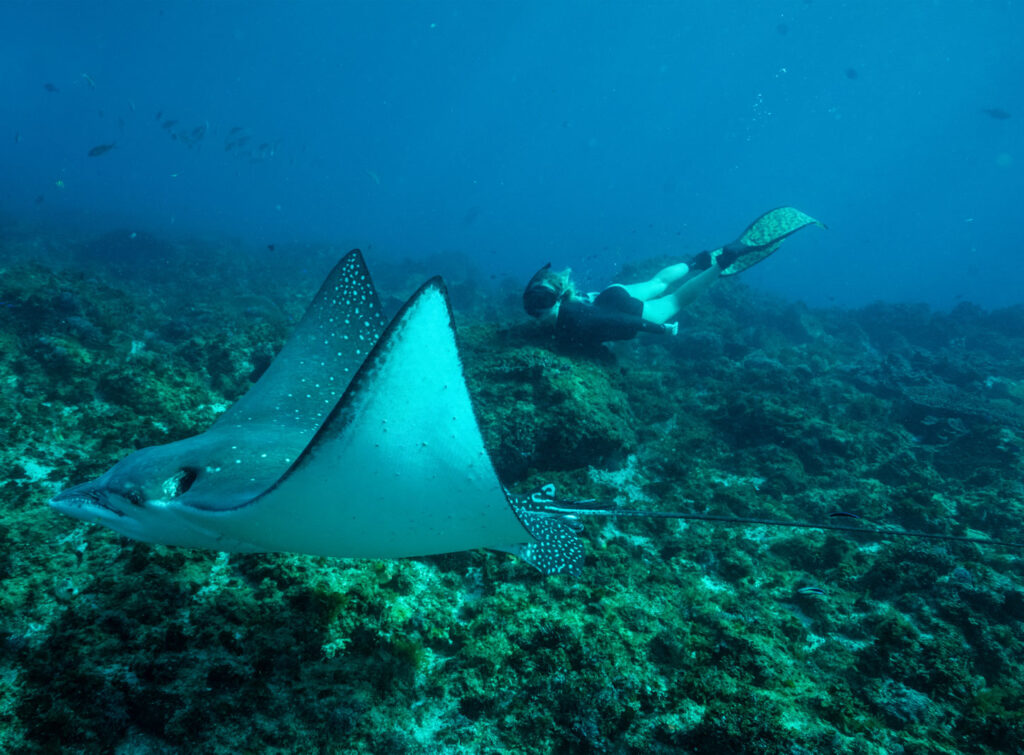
[{"x": 676, "y": 638}]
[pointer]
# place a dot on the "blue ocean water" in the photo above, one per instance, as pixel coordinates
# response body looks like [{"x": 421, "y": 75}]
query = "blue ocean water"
[
  {"x": 587, "y": 134},
  {"x": 176, "y": 178}
]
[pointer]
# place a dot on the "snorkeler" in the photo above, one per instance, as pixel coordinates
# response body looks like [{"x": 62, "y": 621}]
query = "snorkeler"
[{"x": 621, "y": 311}]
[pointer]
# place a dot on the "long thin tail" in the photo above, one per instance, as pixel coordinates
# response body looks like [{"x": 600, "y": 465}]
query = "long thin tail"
[{"x": 594, "y": 508}]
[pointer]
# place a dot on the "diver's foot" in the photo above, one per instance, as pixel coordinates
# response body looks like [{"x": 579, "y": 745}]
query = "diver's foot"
[
  {"x": 701, "y": 262},
  {"x": 731, "y": 253}
]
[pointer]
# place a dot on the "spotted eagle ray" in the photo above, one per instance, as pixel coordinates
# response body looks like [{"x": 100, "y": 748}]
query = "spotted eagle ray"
[{"x": 359, "y": 441}]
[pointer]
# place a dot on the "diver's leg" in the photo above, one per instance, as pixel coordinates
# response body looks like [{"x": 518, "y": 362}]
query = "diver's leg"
[
  {"x": 659, "y": 284},
  {"x": 666, "y": 308}
]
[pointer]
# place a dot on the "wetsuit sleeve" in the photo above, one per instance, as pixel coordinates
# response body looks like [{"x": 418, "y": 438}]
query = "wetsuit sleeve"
[{"x": 585, "y": 324}]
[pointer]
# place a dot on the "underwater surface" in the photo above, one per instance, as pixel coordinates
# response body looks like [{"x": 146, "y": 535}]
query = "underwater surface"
[{"x": 178, "y": 178}]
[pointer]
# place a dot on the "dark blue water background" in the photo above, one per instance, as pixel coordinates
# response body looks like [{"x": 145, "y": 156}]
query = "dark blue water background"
[{"x": 588, "y": 134}]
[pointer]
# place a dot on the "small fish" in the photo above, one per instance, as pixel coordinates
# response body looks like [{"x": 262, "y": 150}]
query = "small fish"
[
  {"x": 844, "y": 513},
  {"x": 236, "y": 130},
  {"x": 811, "y": 591},
  {"x": 101, "y": 149},
  {"x": 170, "y": 124},
  {"x": 159, "y": 114},
  {"x": 17, "y": 137},
  {"x": 40, "y": 199},
  {"x": 270, "y": 247},
  {"x": 50, "y": 87},
  {"x": 996, "y": 113},
  {"x": 89, "y": 81},
  {"x": 851, "y": 74}
]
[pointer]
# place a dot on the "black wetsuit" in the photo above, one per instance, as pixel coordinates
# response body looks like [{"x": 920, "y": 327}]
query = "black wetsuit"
[{"x": 614, "y": 315}]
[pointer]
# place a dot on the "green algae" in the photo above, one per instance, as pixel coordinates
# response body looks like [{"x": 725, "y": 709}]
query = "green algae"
[{"x": 678, "y": 637}]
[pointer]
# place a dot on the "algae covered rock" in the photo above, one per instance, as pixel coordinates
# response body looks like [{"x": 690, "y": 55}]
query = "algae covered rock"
[
  {"x": 678, "y": 637},
  {"x": 541, "y": 410}
]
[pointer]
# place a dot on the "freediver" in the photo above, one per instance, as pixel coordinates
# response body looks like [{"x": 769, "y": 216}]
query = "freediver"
[{"x": 620, "y": 311}]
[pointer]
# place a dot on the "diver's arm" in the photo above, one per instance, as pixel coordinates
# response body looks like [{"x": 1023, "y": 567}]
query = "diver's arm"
[
  {"x": 613, "y": 321},
  {"x": 659, "y": 329},
  {"x": 585, "y": 323}
]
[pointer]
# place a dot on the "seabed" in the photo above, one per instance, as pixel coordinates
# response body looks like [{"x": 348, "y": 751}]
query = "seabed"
[{"x": 676, "y": 638}]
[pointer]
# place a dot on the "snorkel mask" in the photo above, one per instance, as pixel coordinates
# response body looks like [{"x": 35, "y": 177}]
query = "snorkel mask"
[{"x": 542, "y": 292}]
